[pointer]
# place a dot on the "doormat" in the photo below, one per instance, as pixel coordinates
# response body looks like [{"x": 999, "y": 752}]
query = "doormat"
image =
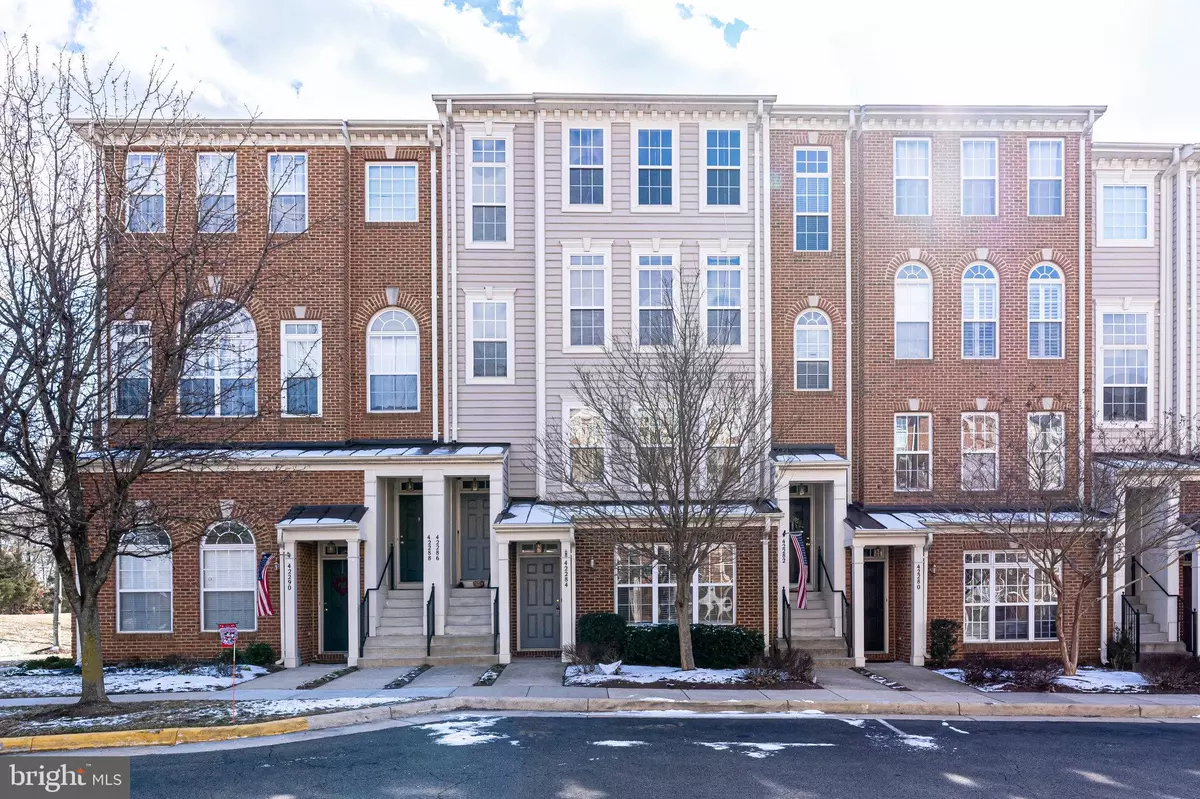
[{"x": 879, "y": 678}]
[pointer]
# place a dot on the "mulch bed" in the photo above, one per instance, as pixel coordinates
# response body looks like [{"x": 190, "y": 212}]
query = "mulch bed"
[{"x": 326, "y": 678}]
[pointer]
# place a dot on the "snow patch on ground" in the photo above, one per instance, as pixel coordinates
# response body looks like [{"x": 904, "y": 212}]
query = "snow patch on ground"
[
  {"x": 619, "y": 744},
  {"x": 301, "y": 707},
  {"x": 958, "y": 675},
  {"x": 463, "y": 732},
  {"x": 946, "y": 724},
  {"x": 648, "y": 675},
  {"x": 118, "y": 680},
  {"x": 756, "y": 750},
  {"x": 1093, "y": 680},
  {"x": 860, "y": 723}
]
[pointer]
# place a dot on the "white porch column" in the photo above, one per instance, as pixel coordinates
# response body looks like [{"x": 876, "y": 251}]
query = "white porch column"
[
  {"x": 433, "y": 511},
  {"x": 1194, "y": 602},
  {"x": 857, "y": 606},
  {"x": 837, "y": 531},
  {"x": 1119, "y": 578},
  {"x": 354, "y": 591},
  {"x": 567, "y": 622},
  {"x": 782, "y": 486},
  {"x": 375, "y": 523},
  {"x": 501, "y": 581},
  {"x": 288, "y": 607},
  {"x": 920, "y": 583}
]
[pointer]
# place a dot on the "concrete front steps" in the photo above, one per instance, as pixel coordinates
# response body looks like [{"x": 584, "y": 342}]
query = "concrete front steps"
[
  {"x": 400, "y": 638},
  {"x": 813, "y": 631},
  {"x": 1153, "y": 636}
]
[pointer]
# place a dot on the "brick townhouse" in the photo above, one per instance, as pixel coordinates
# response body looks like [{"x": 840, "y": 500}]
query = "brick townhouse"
[{"x": 920, "y": 285}]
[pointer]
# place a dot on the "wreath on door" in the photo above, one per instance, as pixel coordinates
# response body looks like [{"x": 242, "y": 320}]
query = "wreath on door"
[{"x": 339, "y": 585}]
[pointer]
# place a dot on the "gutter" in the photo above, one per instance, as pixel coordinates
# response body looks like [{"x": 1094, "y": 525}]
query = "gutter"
[
  {"x": 447, "y": 241},
  {"x": 759, "y": 332},
  {"x": 1191, "y": 221},
  {"x": 539, "y": 277},
  {"x": 453, "y": 306},
  {"x": 1082, "y": 261},
  {"x": 1180, "y": 293},
  {"x": 849, "y": 305},
  {"x": 768, "y": 315}
]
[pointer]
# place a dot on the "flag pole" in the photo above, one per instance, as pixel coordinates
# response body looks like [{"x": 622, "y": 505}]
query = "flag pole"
[{"x": 233, "y": 688}]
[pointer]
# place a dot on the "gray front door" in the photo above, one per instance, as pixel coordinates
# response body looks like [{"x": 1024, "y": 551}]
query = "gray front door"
[
  {"x": 474, "y": 524},
  {"x": 540, "y": 600}
]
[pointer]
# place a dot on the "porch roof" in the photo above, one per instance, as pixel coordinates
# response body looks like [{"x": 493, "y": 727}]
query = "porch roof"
[
  {"x": 807, "y": 455},
  {"x": 534, "y": 512},
  {"x": 922, "y": 520},
  {"x": 308, "y": 515}
]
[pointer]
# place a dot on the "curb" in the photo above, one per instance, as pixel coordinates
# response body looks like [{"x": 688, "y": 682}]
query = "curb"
[{"x": 174, "y": 736}]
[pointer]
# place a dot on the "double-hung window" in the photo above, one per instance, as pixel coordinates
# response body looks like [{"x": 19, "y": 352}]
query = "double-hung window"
[
  {"x": 587, "y": 293},
  {"x": 913, "y": 452},
  {"x": 811, "y": 199},
  {"x": 227, "y": 577},
  {"x": 131, "y": 365},
  {"x": 1125, "y": 218},
  {"x": 393, "y": 362},
  {"x": 813, "y": 351},
  {"x": 912, "y": 177},
  {"x": 1125, "y": 363},
  {"x": 1007, "y": 598},
  {"x": 1044, "y": 181},
  {"x": 713, "y": 592},
  {"x": 980, "y": 177},
  {"x": 216, "y": 192},
  {"x": 301, "y": 348},
  {"x": 654, "y": 160},
  {"x": 287, "y": 180},
  {"x": 980, "y": 452},
  {"x": 392, "y": 192},
  {"x": 722, "y": 189},
  {"x": 490, "y": 345},
  {"x": 1047, "y": 455},
  {"x": 645, "y": 587},
  {"x": 980, "y": 296},
  {"x": 585, "y": 442},
  {"x": 656, "y": 301},
  {"x": 145, "y": 583},
  {"x": 913, "y": 309},
  {"x": 220, "y": 368},
  {"x": 145, "y": 187},
  {"x": 1045, "y": 312},
  {"x": 586, "y": 169},
  {"x": 724, "y": 301},
  {"x": 491, "y": 191}
]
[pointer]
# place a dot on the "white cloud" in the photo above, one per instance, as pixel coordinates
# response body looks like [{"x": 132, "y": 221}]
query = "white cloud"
[{"x": 384, "y": 58}]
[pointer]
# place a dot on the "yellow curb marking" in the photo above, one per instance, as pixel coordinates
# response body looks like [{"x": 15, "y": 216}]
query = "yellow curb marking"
[{"x": 169, "y": 736}]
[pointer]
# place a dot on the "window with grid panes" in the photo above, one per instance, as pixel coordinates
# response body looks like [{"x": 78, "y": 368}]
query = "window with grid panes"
[
  {"x": 1005, "y": 598},
  {"x": 393, "y": 362},
  {"x": 585, "y": 159},
  {"x": 220, "y": 368},
  {"x": 586, "y": 443},
  {"x": 131, "y": 365},
  {"x": 912, "y": 448},
  {"x": 227, "y": 577},
  {"x": 1045, "y": 312},
  {"x": 1045, "y": 177},
  {"x": 811, "y": 199},
  {"x": 655, "y": 160},
  {"x": 1125, "y": 366},
  {"x": 489, "y": 339},
  {"x": 145, "y": 582},
  {"x": 1124, "y": 213},
  {"x": 980, "y": 452},
  {"x": 145, "y": 186},
  {"x": 288, "y": 184},
  {"x": 587, "y": 300},
  {"x": 980, "y": 176},
  {"x": 489, "y": 190},
  {"x": 656, "y": 300},
  {"x": 723, "y": 167},
  {"x": 216, "y": 192},
  {"x": 980, "y": 297},
  {"x": 645, "y": 587},
  {"x": 1047, "y": 450},
  {"x": 301, "y": 368},
  {"x": 723, "y": 299},
  {"x": 813, "y": 348},
  {"x": 391, "y": 192},
  {"x": 912, "y": 177}
]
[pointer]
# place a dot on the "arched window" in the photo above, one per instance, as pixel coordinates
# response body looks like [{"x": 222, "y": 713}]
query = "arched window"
[
  {"x": 1045, "y": 312},
  {"x": 914, "y": 313},
  {"x": 220, "y": 370},
  {"x": 393, "y": 362},
  {"x": 227, "y": 578},
  {"x": 979, "y": 311},
  {"x": 144, "y": 582},
  {"x": 813, "y": 351}
]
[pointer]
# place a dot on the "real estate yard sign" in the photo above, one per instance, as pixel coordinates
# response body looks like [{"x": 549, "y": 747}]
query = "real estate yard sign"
[{"x": 228, "y": 633}]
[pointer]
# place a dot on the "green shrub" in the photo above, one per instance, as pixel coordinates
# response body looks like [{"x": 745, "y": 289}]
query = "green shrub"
[
  {"x": 943, "y": 636},
  {"x": 604, "y": 633},
  {"x": 792, "y": 665},
  {"x": 713, "y": 646},
  {"x": 1121, "y": 652},
  {"x": 260, "y": 654},
  {"x": 52, "y": 662}
]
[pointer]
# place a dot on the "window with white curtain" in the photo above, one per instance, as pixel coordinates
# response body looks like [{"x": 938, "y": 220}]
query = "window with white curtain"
[
  {"x": 980, "y": 452},
  {"x": 288, "y": 184},
  {"x": 914, "y": 313},
  {"x": 1045, "y": 312},
  {"x": 227, "y": 577},
  {"x": 220, "y": 369},
  {"x": 301, "y": 347},
  {"x": 585, "y": 442},
  {"x": 1006, "y": 598},
  {"x": 912, "y": 176},
  {"x": 980, "y": 297},
  {"x": 813, "y": 349},
  {"x": 145, "y": 583},
  {"x": 980, "y": 177},
  {"x": 145, "y": 186},
  {"x": 912, "y": 448},
  {"x": 1047, "y": 454},
  {"x": 393, "y": 362},
  {"x": 811, "y": 199}
]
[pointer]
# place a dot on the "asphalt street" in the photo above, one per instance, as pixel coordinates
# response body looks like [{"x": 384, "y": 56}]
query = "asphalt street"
[{"x": 640, "y": 756}]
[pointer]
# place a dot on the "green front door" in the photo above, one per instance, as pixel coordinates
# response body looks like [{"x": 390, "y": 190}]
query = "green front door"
[
  {"x": 412, "y": 564},
  {"x": 335, "y": 636}
]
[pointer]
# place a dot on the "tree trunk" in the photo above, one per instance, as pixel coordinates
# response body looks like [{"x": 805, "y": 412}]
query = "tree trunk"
[
  {"x": 1068, "y": 636},
  {"x": 683, "y": 613},
  {"x": 89, "y": 642},
  {"x": 57, "y": 604}
]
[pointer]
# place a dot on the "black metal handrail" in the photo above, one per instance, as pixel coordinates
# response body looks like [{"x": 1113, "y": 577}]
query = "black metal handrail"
[
  {"x": 847, "y": 619},
  {"x": 786, "y": 613},
  {"x": 1189, "y": 635},
  {"x": 1131, "y": 626},
  {"x": 364, "y": 607},
  {"x": 429, "y": 620},
  {"x": 495, "y": 589},
  {"x": 1139, "y": 567}
]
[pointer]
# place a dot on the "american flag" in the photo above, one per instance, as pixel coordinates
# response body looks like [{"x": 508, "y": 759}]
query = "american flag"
[
  {"x": 265, "y": 608},
  {"x": 802, "y": 556}
]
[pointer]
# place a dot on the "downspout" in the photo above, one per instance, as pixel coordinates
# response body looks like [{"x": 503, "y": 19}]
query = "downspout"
[
  {"x": 1180, "y": 293},
  {"x": 1164, "y": 307},
  {"x": 1082, "y": 261},
  {"x": 539, "y": 276},
  {"x": 757, "y": 279},
  {"x": 768, "y": 315},
  {"x": 447, "y": 241},
  {"x": 849, "y": 315},
  {"x": 348, "y": 389},
  {"x": 1191, "y": 272},
  {"x": 1104, "y": 611},
  {"x": 433, "y": 281},
  {"x": 766, "y": 581},
  {"x": 453, "y": 272}
]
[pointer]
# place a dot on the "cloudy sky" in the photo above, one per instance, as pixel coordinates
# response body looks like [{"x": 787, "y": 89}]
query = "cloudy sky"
[{"x": 383, "y": 58}]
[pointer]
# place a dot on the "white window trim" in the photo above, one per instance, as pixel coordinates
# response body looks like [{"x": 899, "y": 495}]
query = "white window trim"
[
  {"x": 501, "y": 133},
  {"x": 1031, "y": 571},
  {"x": 1146, "y": 307},
  {"x": 171, "y": 561},
  {"x": 654, "y": 587},
  {"x": 576, "y": 247},
  {"x": 573, "y": 404},
  {"x": 230, "y": 190},
  {"x": 367, "y": 193},
  {"x": 160, "y": 166},
  {"x": 216, "y": 414},
  {"x": 962, "y": 459},
  {"x": 1062, "y": 179},
  {"x": 743, "y": 178},
  {"x": 928, "y": 178},
  {"x": 473, "y": 296},
  {"x": 636, "y": 250},
  {"x": 1106, "y": 179},
  {"x": 962, "y": 176},
  {"x": 929, "y": 471},
  {"x": 367, "y": 353},
  {"x": 221, "y": 547},
  {"x": 829, "y": 213},
  {"x": 283, "y": 369},
  {"x": 795, "y": 360},
  {"x": 606, "y": 167},
  {"x": 741, "y": 251},
  {"x": 995, "y": 320},
  {"x": 896, "y": 283},
  {"x": 1062, "y": 451},
  {"x": 1062, "y": 312},
  {"x": 114, "y": 378},
  {"x": 272, "y": 194},
  {"x": 673, "y": 208}
]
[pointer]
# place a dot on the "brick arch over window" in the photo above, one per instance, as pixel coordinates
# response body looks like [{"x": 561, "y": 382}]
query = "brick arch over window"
[
  {"x": 830, "y": 309},
  {"x": 1065, "y": 264},
  {"x": 983, "y": 255},
  {"x": 916, "y": 255},
  {"x": 414, "y": 305}
]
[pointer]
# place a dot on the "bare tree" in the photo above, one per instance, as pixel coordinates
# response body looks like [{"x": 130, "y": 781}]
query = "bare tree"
[
  {"x": 667, "y": 450},
  {"x": 1072, "y": 544},
  {"x": 122, "y": 309}
]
